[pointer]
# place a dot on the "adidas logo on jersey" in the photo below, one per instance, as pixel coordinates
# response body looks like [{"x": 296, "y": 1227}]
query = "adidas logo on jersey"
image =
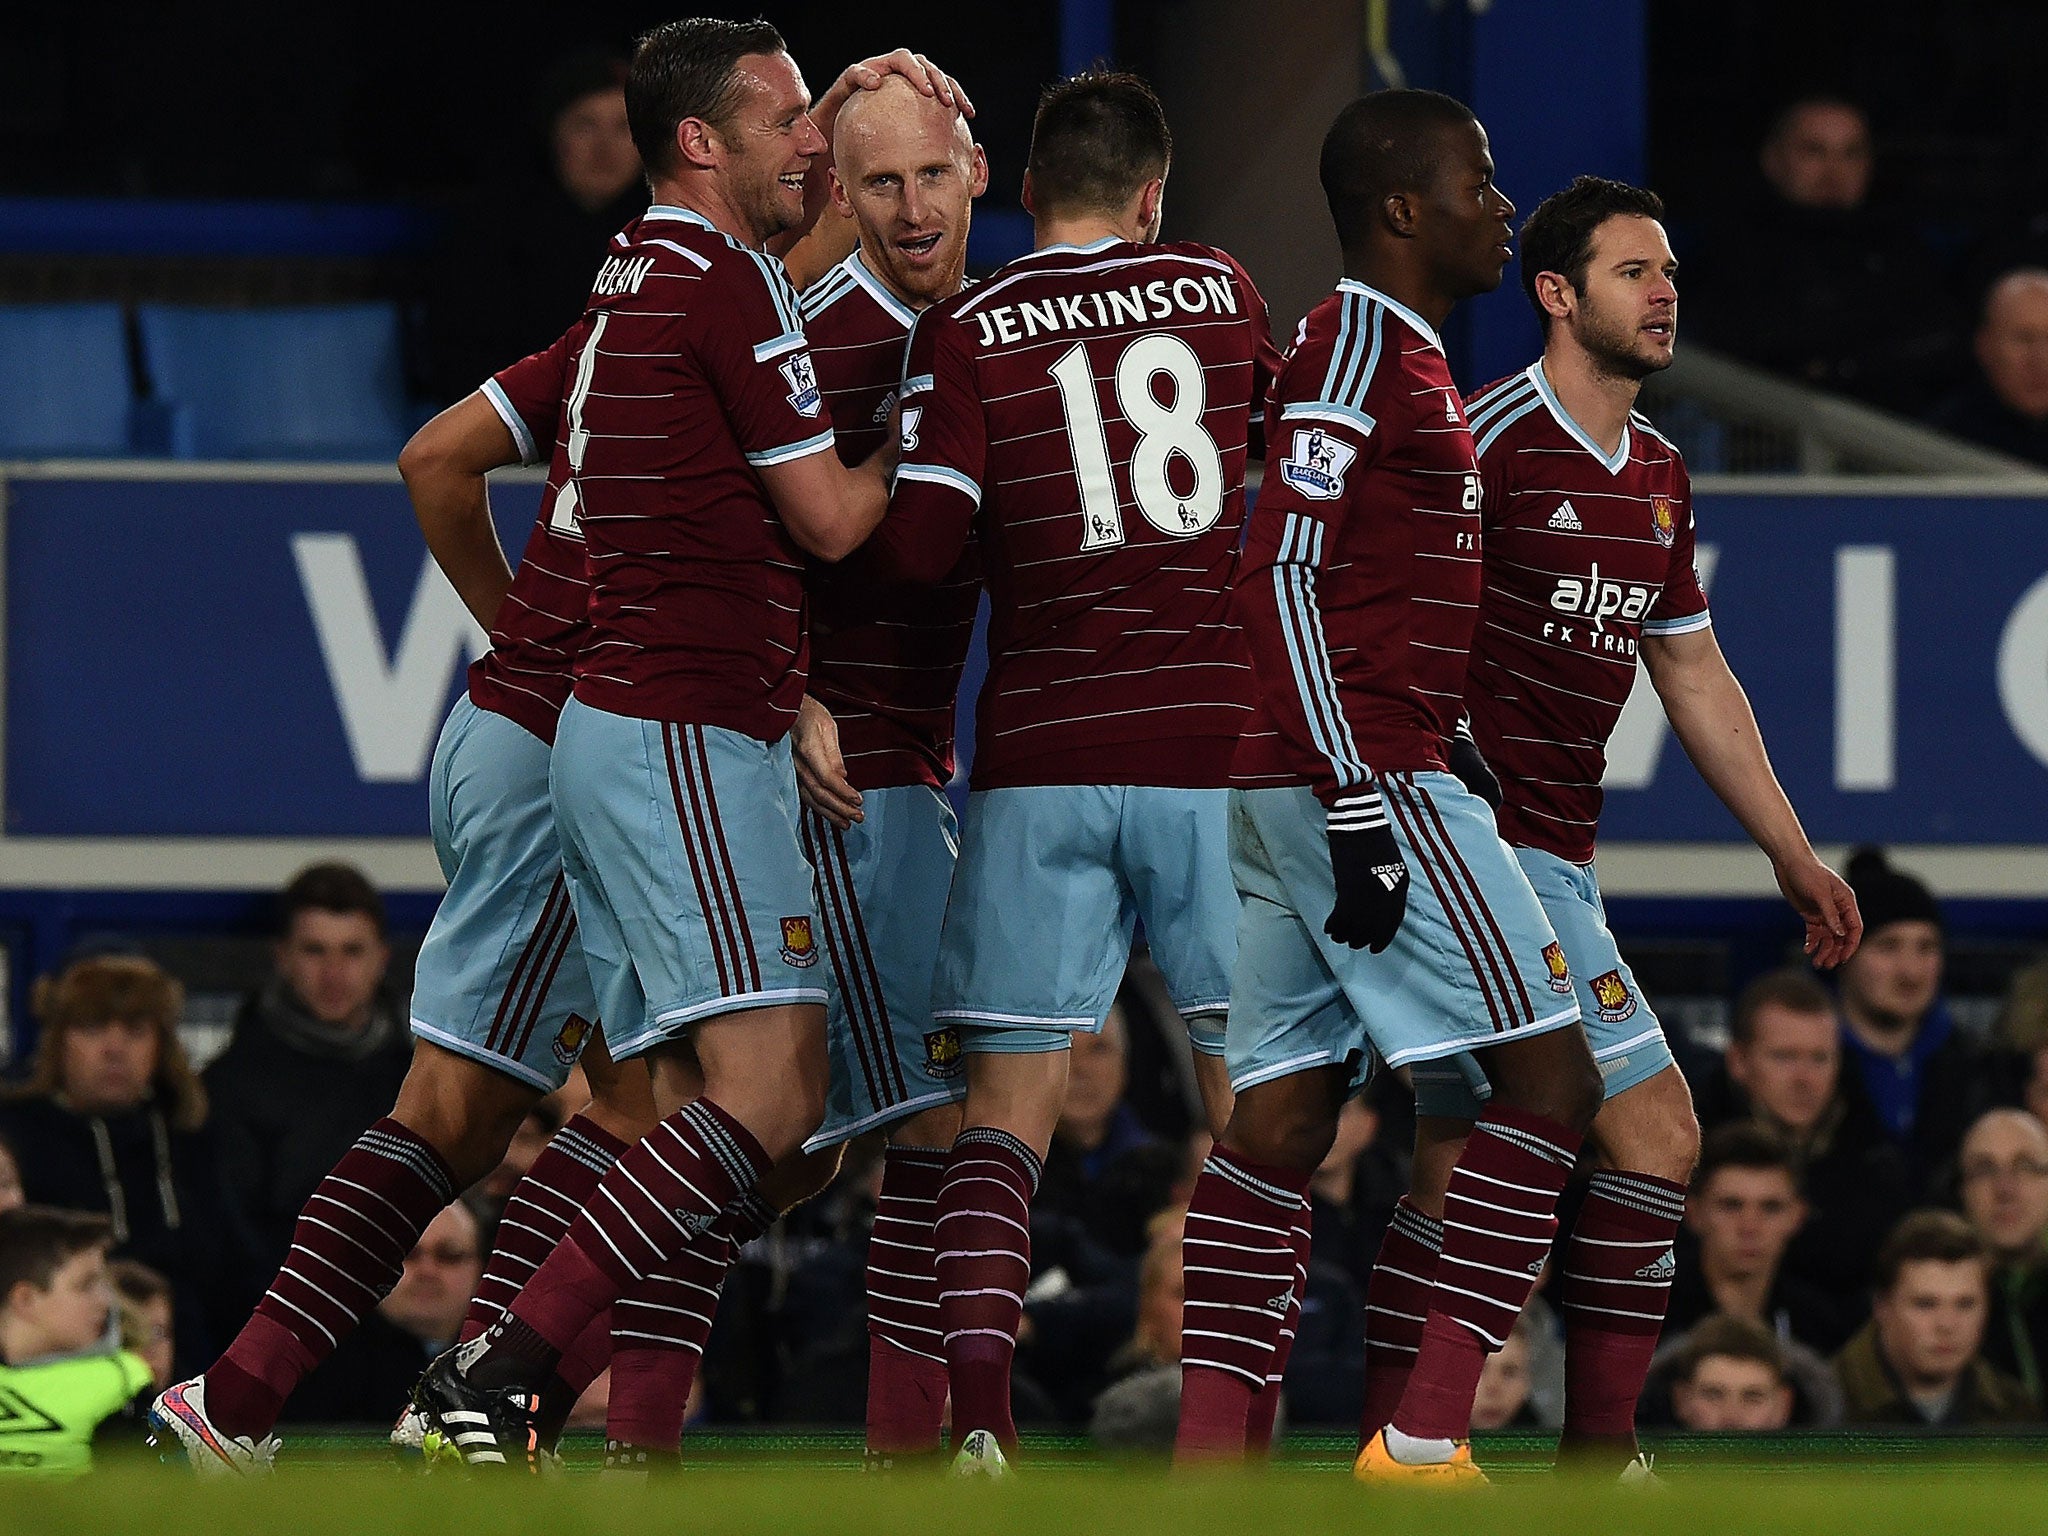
[
  {"x": 1664, "y": 1268},
  {"x": 1277, "y": 1305},
  {"x": 1564, "y": 517}
]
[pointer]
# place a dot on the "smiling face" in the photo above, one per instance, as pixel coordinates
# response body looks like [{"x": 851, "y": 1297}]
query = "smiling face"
[
  {"x": 1461, "y": 219},
  {"x": 763, "y": 149},
  {"x": 1625, "y": 315},
  {"x": 907, "y": 170}
]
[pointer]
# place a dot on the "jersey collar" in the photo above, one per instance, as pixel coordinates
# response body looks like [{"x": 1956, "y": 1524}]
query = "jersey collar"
[
  {"x": 879, "y": 290},
  {"x": 1615, "y": 464},
  {"x": 1420, "y": 326},
  {"x": 1075, "y": 250},
  {"x": 684, "y": 215}
]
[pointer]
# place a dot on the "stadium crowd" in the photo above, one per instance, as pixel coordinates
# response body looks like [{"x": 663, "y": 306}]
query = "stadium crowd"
[{"x": 1866, "y": 1240}]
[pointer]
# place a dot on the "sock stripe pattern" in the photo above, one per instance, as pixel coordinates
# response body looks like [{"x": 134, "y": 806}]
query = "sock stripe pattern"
[
  {"x": 539, "y": 1213},
  {"x": 1617, "y": 1267},
  {"x": 349, "y": 1246},
  {"x": 1239, "y": 1260},
  {"x": 1290, "y": 1325},
  {"x": 1500, "y": 1216},
  {"x": 1396, "y": 1306},
  {"x": 982, "y": 1237},
  {"x": 903, "y": 1282},
  {"x": 666, "y": 1190}
]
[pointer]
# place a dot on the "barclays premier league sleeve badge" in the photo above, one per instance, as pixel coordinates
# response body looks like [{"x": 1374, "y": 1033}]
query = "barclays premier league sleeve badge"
[
  {"x": 1316, "y": 466},
  {"x": 802, "y": 379}
]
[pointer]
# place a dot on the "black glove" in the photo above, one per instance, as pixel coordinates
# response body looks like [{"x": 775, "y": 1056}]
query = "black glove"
[
  {"x": 1371, "y": 874},
  {"x": 1470, "y": 767}
]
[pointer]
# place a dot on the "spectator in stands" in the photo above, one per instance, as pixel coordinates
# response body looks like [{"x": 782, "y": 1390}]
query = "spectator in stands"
[
  {"x": 1105, "y": 1172},
  {"x": 1141, "y": 1403},
  {"x": 2005, "y": 403},
  {"x": 112, "y": 1120},
  {"x": 1898, "y": 1040},
  {"x": 1507, "y": 1382},
  {"x": 1730, "y": 1375},
  {"x": 2004, "y": 1177},
  {"x": 317, "y": 1054},
  {"x": 2015, "y": 1070},
  {"x": 61, "y": 1376},
  {"x": 10, "y": 1179},
  {"x": 517, "y": 259},
  {"x": 1805, "y": 277},
  {"x": 148, "y": 1328},
  {"x": 1784, "y": 1071},
  {"x": 1917, "y": 1361},
  {"x": 366, "y": 1380},
  {"x": 1741, "y": 1213}
]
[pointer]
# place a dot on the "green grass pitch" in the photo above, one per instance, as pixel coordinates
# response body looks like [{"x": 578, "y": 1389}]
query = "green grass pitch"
[{"x": 1848, "y": 1487}]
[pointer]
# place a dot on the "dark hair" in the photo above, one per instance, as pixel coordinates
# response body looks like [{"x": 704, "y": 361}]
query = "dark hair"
[
  {"x": 1940, "y": 1236},
  {"x": 684, "y": 69},
  {"x": 1098, "y": 137},
  {"x": 1558, "y": 236},
  {"x": 38, "y": 1240},
  {"x": 135, "y": 1281},
  {"x": 1789, "y": 988},
  {"x": 1381, "y": 144},
  {"x": 1736, "y": 1338},
  {"x": 1744, "y": 1144},
  {"x": 330, "y": 888},
  {"x": 586, "y": 72}
]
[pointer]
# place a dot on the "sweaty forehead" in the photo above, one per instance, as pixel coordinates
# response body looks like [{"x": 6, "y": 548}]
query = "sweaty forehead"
[
  {"x": 895, "y": 122},
  {"x": 771, "y": 83}
]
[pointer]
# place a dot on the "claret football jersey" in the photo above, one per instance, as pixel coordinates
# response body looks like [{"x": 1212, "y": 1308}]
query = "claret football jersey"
[
  {"x": 1586, "y": 552},
  {"x": 886, "y": 656},
  {"x": 1361, "y": 572},
  {"x": 1087, "y": 412}
]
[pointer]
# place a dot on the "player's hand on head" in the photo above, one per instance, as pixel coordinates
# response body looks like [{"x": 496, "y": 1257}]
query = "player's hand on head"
[
  {"x": 1472, "y": 769},
  {"x": 820, "y": 767},
  {"x": 1824, "y": 902},
  {"x": 914, "y": 67},
  {"x": 1370, "y": 871}
]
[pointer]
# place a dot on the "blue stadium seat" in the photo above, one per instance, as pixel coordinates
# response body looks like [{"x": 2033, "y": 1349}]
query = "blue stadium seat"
[
  {"x": 286, "y": 383},
  {"x": 65, "y": 385}
]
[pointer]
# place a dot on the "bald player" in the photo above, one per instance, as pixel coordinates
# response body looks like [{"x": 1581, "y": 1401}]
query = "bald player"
[{"x": 874, "y": 744}]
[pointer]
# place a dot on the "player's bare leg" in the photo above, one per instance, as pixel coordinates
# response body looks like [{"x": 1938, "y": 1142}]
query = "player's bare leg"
[
  {"x": 1212, "y": 1081},
  {"x": 907, "y": 1383},
  {"x": 1500, "y": 1215},
  {"x": 983, "y": 1228},
  {"x": 1240, "y": 1257},
  {"x": 1617, "y": 1265}
]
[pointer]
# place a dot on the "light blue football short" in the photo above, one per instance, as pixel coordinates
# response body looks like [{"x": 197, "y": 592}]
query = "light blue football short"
[
  {"x": 881, "y": 900},
  {"x": 1051, "y": 883},
  {"x": 680, "y": 844},
  {"x": 1627, "y": 1041},
  {"x": 1471, "y": 965},
  {"x": 501, "y": 977}
]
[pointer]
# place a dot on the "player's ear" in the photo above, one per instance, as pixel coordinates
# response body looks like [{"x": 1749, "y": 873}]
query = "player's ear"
[
  {"x": 698, "y": 144},
  {"x": 977, "y": 176},
  {"x": 1555, "y": 295},
  {"x": 1029, "y": 200},
  {"x": 841, "y": 203},
  {"x": 1151, "y": 214},
  {"x": 1399, "y": 213}
]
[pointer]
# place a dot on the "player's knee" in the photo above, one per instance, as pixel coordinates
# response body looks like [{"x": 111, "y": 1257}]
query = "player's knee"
[
  {"x": 1298, "y": 1140},
  {"x": 1579, "y": 1091}
]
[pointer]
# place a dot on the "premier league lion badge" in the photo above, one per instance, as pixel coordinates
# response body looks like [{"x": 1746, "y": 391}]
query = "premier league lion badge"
[{"x": 1317, "y": 466}]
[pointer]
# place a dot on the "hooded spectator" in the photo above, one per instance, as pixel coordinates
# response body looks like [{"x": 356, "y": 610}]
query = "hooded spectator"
[
  {"x": 1898, "y": 1039},
  {"x": 112, "y": 1120},
  {"x": 1918, "y": 1361},
  {"x": 2003, "y": 1170}
]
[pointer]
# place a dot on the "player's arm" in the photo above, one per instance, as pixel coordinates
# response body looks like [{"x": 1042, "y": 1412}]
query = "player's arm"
[
  {"x": 828, "y": 508},
  {"x": 1711, "y": 717},
  {"x": 825, "y": 238},
  {"x": 444, "y": 466},
  {"x": 943, "y": 439}
]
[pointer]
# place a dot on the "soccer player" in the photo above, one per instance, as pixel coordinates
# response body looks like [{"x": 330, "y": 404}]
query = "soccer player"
[
  {"x": 1381, "y": 913},
  {"x": 874, "y": 744},
  {"x": 699, "y": 472},
  {"x": 1085, "y": 412},
  {"x": 1589, "y": 564}
]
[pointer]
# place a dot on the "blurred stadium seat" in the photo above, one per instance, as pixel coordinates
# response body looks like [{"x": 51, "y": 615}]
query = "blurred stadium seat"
[
  {"x": 288, "y": 383},
  {"x": 65, "y": 387}
]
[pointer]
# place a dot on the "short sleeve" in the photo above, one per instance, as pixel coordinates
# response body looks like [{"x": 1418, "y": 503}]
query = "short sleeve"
[
  {"x": 1323, "y": 435},
  {"x": 751, "y": 345},
  {"x": 944, "y": 455},
  {"x": 1682, "y": 604},
  {"x": 528, "y": 395}
]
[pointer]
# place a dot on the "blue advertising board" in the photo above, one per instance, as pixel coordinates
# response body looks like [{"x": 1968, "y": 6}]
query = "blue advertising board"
[{"x": 219, "y": 655}]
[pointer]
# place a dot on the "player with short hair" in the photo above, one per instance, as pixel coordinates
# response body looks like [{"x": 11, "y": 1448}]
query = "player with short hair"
[
  {"x": 874, "y": 743},
  {"x": 694, "y": 470},
  {"x": 1086, "y": 413},
  {"x": 1589, "y": 563},
  {"x": 1382, "y": 916}
]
